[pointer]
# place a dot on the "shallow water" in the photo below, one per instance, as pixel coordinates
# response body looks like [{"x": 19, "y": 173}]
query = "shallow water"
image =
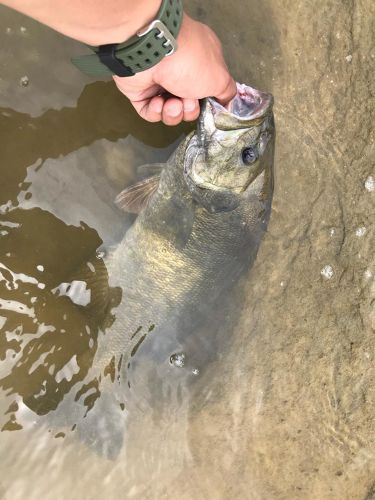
[{"x": 283, "y": 405}]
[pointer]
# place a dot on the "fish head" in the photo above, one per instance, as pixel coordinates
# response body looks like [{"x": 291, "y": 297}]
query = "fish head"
[{"x": 232, "y": 147}]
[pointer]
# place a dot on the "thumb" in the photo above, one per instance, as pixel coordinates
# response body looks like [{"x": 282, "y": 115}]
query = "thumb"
[{"x": 228, "y": 91}]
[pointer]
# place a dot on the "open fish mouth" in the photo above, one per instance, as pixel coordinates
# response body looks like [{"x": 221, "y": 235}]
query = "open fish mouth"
[
  {"x": 249, "y": 103},
  {"x": 244, "y": 110}
]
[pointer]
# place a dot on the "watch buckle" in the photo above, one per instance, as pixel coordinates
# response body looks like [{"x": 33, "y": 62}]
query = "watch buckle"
[{"x": 163, "y": 33}]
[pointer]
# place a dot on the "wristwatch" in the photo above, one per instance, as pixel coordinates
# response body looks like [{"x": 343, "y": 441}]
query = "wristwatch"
[{"x": 148, "y": 47}]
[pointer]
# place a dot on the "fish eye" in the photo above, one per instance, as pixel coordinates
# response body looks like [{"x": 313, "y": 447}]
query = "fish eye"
[{"x": 249, "y": 155}]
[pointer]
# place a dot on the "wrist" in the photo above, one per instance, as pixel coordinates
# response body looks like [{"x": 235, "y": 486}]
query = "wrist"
[{"x": 191, "y": 36}]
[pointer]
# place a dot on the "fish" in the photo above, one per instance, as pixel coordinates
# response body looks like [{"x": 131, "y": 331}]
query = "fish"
[{"x": 201, "y": 218}]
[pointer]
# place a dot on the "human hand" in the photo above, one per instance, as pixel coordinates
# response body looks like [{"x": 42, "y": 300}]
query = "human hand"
[{"x": 196, "y": 70}]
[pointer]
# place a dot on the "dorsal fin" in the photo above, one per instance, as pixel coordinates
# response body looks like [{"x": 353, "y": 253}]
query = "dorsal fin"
[{"x": 136, "y": 197}]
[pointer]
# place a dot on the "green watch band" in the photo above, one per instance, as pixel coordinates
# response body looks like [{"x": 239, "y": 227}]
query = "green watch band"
[{"x": 142, "y": 51}]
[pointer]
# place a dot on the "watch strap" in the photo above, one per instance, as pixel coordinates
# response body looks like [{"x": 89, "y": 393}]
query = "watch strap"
[{"x": 142, "y": 51}]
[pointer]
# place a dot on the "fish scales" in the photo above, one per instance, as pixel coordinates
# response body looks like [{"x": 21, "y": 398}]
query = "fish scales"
[{"x": 199, "y": 231}]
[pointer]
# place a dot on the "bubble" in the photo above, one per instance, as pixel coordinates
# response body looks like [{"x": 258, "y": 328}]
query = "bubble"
[
  {"x": 23, "y": 29},
  {"x": 327, "y": 272},
  {"x": 367, "y": 274},
  {"x": 349, "y": 58},
  {"x": 360, "y": 231},
  {"x": 100, "y": 254},
  {"x": 177, "y": 359},
  {"x": 24, "y": 81},
  {"x": 370, "y": 183},
  {"x": 195, "y": 371}
]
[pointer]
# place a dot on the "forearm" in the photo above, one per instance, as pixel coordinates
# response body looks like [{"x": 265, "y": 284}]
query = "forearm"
[{"x": 95, "y": 22}]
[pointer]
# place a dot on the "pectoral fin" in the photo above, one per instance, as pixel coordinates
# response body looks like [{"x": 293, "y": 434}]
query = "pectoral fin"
[{"x": 136, "y": 197}]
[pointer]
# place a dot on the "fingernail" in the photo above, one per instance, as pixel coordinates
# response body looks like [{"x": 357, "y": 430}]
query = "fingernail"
[{"x": 189, "y": 105}]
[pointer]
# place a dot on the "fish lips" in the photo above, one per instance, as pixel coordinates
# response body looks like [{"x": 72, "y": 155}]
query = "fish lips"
[{"x": 248, "y": 108}]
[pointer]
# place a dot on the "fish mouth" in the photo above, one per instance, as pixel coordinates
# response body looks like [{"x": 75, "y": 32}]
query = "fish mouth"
[
  {"x": 248, "y": 107},
  {"x": 249, "y": 103}
]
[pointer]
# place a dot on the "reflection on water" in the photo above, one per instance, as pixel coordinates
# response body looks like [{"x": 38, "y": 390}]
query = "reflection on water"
[{"x": 273, "y": 399}]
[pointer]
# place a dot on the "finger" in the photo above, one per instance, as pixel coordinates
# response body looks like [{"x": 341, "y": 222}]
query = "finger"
[
  {"x": 173, "y": 111},
  {"x": 150, "y": 109},
  {"x": 228, "y": 91},
  {"x": 191, "y": 109}
]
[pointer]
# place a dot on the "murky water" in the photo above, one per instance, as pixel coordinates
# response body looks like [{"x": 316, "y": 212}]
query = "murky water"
[{"x": 279, "y": 401}]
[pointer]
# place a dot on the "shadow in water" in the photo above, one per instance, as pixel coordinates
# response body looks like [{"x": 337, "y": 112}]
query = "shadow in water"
[{"x": 48, "y": 333}]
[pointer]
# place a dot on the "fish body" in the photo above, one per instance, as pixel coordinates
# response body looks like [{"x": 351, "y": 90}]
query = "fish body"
[{"x": 199, "y": 230}]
